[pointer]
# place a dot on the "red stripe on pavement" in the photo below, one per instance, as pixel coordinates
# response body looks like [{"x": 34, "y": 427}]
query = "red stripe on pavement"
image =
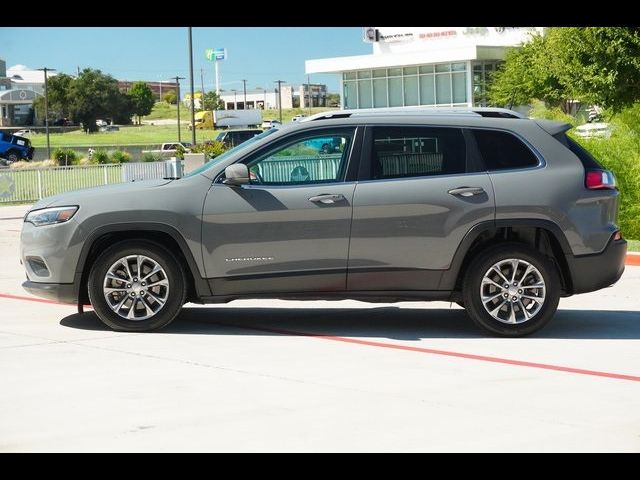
[
  {"x": 632, "y": 260},
  {"x": 394, "y": 346},
  {"x": 32, "y": 299},
  {"x": 447, "y": 353}
]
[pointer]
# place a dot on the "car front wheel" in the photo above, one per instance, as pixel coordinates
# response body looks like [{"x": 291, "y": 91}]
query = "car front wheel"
[
  {"x": 137, "y": 286},
  {"x": 511, "y": 290}
]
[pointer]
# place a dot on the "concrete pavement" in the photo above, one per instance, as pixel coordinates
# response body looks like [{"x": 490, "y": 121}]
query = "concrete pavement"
[{"x": 287, "y": 376}]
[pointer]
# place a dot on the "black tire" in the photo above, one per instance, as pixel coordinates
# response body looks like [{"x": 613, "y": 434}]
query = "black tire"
[
  {"x": 471, "y": 297},
  {"x": 13, "y": 155},
  {"x": 175, "y": 276}
]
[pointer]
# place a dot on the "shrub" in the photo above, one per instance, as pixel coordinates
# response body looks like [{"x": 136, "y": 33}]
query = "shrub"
[
  {"x": 180, "y": 152},
  {"x": 65, "y": 156},
  {"x": 210, "y": 149},
  {"x": 120, "y": 156},
  {"x": 101, "y": 156},
  {"x": 87, "y": 161},
  {"x": 150, "y": 157}
]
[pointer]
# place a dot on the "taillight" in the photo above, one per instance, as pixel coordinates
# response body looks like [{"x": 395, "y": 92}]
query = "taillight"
[{"x": 599, "y": 180}]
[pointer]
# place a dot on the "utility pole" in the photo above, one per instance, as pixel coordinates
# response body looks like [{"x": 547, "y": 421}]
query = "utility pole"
[
  {"x": 202, "y": 86},
  {"x": 177, "y": 79},
  {"x": 193, "y": 96},
  {"x": 46, "y": 107},
  {"x": 309, "y": 90},
  {"x": 279, "y": 82},
  {"x": 244, "y": 86}
]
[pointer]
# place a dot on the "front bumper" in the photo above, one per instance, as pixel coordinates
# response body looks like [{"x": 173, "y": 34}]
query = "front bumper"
[
  {"x": 593, "y": 272},
  {"x": 58, "y": 292}
]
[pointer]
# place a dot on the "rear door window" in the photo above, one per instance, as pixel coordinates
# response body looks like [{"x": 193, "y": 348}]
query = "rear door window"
[
  {"x": 503, "y": 150},
  {"x": 399, "y": 152}
]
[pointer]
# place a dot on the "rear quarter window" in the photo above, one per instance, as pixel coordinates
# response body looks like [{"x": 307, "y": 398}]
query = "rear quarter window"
[
  {"x": 588, "y": 161},
  {"x": 503, "y": 150}
]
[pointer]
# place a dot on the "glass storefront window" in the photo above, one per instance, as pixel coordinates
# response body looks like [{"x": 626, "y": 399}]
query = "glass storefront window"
[
  {"x": 459, "y": 88},
  {"x": 395, "y": 92},
  {"x": 427, "y": 90},
  {"x": 458, "y": 67},
  {"x": 364, "y": 94},
  {"x": 411, "y": 90},
  {"x": 443, "y": 67},
  {"x": 380, "y": 92},
  {"x": 350, "y": 95},
  {"x": 394, "y": 72},
  {"x": 349, "y": 75},
  {"x": 380, "y": 73},
  {"x": 443, "y": 89},
  {"x": 426, "y": 69},
  {"x": 410, "y": 70},
  {"x": 364, "y": 74}
]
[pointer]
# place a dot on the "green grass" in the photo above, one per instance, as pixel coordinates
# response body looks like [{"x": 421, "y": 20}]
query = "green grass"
[
  {"x": 633, "y": 245},
  {"x": 164, "y": 110},
  {"x": 129, "y": 135}
]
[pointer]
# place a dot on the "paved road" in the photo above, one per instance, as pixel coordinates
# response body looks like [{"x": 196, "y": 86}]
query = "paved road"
[{"x": 248, "y": 376}]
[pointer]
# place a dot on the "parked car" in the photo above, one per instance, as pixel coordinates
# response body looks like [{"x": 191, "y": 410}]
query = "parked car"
[
  {"x": 232, "y": 138},
  {"x": 170, "y": 148},
  {"x": 109, "y": 128},
  {"x": 14, "y": 148},
  {"x": 499, "y": 213},
  {"x": 101, "y": 123},
  {"x": 271, "y": 124},
  {"x": 24, "y": 132},
  {"x": 298, "y": 117}
]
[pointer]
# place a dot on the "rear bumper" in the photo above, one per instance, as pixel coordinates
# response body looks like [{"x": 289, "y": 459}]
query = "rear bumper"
[
  {"x": 57, "y": 292},
  {"x": 593, "y": 272}
]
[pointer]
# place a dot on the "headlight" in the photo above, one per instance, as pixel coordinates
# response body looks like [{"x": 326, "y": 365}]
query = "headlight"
[{"x": 50, "y": 216}]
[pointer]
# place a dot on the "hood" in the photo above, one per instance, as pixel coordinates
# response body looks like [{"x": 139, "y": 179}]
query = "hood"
[{"x": 77, "y": 196}]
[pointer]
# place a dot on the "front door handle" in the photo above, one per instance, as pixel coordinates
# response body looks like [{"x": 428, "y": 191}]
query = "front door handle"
[
  {"x": 327, "y": 198},
  {"x": 466, "y": 191}
]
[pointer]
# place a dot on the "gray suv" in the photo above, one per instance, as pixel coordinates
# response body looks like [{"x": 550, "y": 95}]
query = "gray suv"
[{"x": 501, "y": 214}]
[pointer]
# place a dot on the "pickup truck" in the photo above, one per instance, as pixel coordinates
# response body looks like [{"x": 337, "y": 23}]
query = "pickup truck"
[{"x": 169, "y": 149}]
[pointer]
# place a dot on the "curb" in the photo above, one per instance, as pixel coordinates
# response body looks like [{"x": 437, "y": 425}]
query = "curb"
[{"x": 632, "y": 259}]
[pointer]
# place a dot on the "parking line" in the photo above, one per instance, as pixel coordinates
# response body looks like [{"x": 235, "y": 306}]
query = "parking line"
[{"x": 395, "y": 346}]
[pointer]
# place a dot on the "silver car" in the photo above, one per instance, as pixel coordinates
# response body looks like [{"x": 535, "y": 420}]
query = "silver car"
[{"x": 501, "y": 214}]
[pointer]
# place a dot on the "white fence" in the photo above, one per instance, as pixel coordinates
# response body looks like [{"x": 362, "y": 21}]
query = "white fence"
[{"x": 27, "y": 185}]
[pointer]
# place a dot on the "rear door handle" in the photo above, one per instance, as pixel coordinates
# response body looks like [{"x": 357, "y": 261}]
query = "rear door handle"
[
  {"x": 466, "y": 191},
  {"x": 327, "y": 198}
]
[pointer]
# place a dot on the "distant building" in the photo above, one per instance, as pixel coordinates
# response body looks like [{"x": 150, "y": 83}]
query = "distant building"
[
  {"x": 291, "y": 97},
  {"x": 19, "y": 87},
  {"x": 430, "y": 66},
  {"x": 158, "y": 88}
]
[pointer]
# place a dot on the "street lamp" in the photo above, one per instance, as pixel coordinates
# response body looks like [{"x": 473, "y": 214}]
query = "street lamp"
[
  {"x": 46, "y": 108},
  {"x": 279, "y": 82},
  {"x": 244, "y": 86},
  {"x": 177, "y": 79},
  {"x": 193, "y": 95}
]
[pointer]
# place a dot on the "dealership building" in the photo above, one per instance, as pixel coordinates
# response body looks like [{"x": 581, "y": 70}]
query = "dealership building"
[{"x": 430, "y": 66}]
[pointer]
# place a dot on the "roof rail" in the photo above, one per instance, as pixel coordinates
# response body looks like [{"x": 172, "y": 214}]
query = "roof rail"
[{"x": 440, "y": 111}]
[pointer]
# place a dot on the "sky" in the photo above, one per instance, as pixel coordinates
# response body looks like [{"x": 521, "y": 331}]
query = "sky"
[{"x": 260, "y": 55}]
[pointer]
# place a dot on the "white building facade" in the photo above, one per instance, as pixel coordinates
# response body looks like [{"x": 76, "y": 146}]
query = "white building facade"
[{"x": 428, "y": 66}]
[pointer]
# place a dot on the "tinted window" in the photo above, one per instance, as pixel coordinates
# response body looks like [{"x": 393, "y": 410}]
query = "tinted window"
[
  {"x": 579, "y": 151},
  {"x": 417, "y": 151},
  {"x": 319, "y": 158},
  {"x": 503, "y": 151}
]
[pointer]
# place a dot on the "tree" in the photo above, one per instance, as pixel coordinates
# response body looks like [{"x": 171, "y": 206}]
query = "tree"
[
  {"x": 142, "y": 99},
  {"x": 96, "y": 95},
  {"x": 212, "y": 101},
  {"x": 598, "y": 65},
  {"x": 170, "y": 97}
]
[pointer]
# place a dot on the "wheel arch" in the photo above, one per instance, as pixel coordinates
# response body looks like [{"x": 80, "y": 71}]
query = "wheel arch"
[
  {"x": 165, "y": 235},
  {"x": 543, "y": 235}
]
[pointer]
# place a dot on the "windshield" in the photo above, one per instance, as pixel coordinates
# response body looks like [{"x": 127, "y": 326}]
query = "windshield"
[{"x": 228, "y": 153}]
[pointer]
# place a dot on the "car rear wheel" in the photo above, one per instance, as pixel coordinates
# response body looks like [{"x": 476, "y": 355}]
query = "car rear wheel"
[
  {"x": 13, "y": 156},
  {"x": 137, "y": 286},
  {"x": 511, "y": 290}
]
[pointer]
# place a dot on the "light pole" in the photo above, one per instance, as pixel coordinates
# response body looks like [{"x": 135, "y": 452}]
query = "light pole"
[
  {"x": 309, "y": 91},
  {"x": 235, "y": 103},
  {"x": 279, "y": 82},
  {"x": 46, "y": 107},
  {"x": 193, "y": 96},
  {"x": 177, "y": 79},
  {"x": 244, "y": 86}
]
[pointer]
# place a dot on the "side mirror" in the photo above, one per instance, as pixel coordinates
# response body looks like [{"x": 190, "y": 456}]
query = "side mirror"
[{"x": 236, "y": 174}]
